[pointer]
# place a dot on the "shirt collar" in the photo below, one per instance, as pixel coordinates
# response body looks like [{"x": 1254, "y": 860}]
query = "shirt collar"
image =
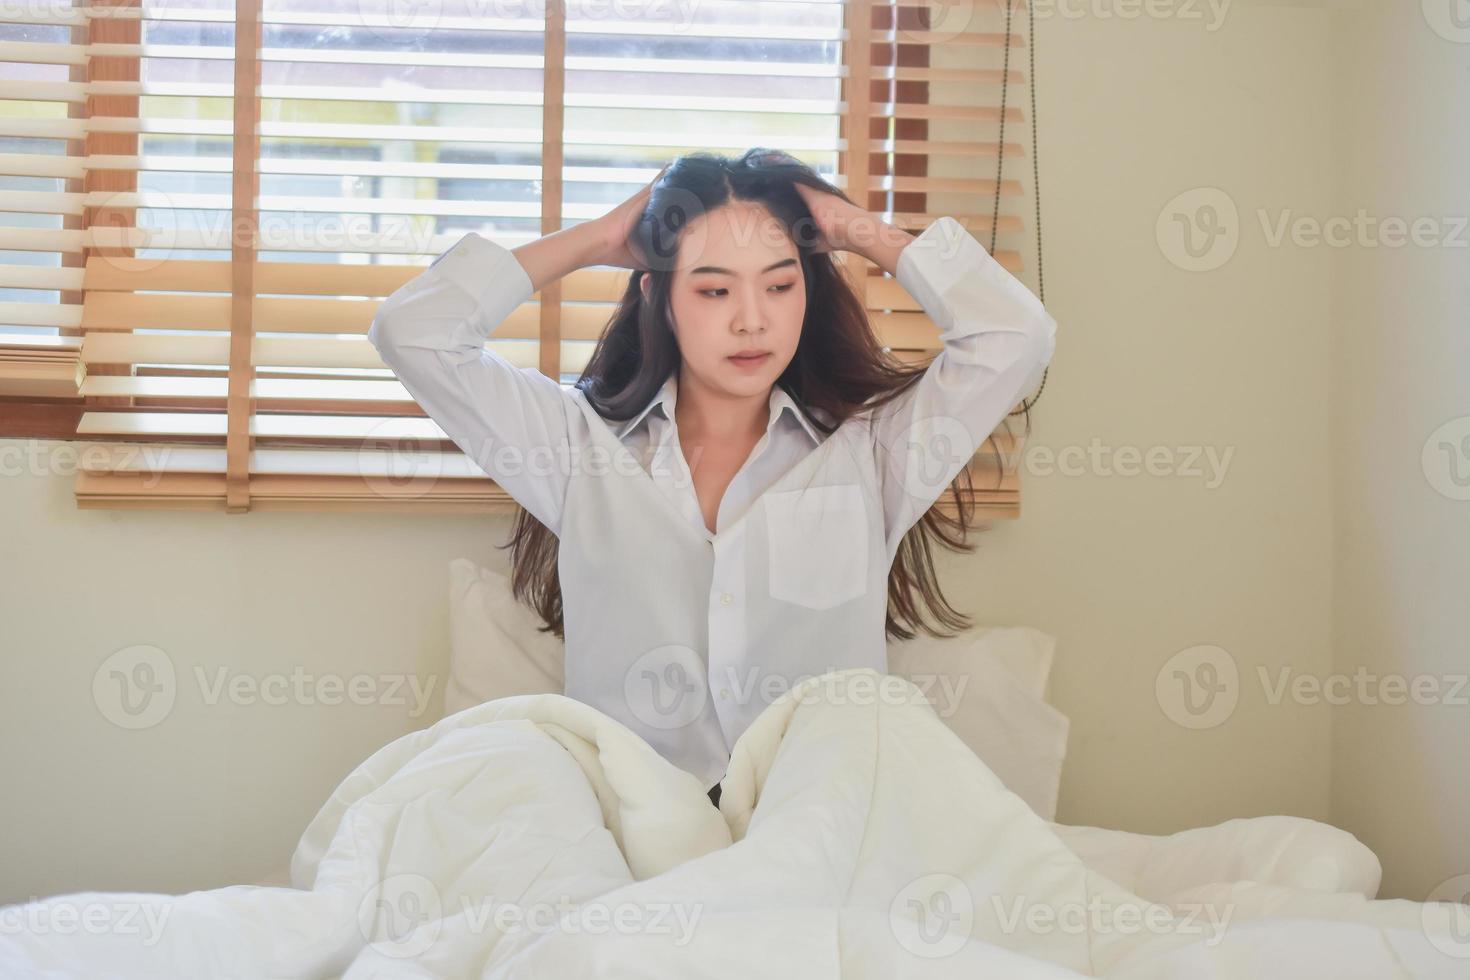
[
  {"x": 663, "y": 399},
  {"x": 667, "y": 397},
  {"x": 780, "y": 402}
]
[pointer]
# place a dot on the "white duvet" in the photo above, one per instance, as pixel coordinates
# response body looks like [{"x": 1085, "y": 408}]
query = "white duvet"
[{"x": 856, "y": 837}]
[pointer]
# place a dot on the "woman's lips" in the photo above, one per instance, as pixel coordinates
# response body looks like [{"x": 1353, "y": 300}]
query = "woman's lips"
[{"x": 749, "y": 361}]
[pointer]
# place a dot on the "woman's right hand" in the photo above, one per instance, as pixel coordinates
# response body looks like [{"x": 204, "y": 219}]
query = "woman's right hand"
[
  {"x": 614, "y": 230},
  {"x": 600, "y": 241}
]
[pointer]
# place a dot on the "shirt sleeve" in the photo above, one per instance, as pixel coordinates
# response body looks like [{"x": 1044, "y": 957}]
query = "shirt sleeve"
[
  {"x": 997, "y": 337},
  {"x": 511, "y": 421}
]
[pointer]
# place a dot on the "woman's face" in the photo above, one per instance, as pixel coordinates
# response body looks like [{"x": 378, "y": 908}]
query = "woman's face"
[{"x": 737, "y": 287}]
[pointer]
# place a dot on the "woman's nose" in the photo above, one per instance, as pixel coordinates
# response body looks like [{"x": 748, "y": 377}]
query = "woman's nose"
[{"x": 752, "y": 317}]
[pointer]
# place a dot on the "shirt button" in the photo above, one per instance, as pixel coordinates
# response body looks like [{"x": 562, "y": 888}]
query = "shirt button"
[
  {"x": 727, "y": 598},
  {"x": 725, "y": 693}
]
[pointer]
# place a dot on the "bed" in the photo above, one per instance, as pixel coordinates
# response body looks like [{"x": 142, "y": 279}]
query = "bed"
[
  {"x": 857, "y": 836},
  {"x": 866, "y": 828}
]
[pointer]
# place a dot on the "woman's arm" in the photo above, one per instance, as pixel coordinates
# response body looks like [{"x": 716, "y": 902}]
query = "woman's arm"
[
  {"x": 512, "y": 421},
  {"x": 997, "y": 339}
]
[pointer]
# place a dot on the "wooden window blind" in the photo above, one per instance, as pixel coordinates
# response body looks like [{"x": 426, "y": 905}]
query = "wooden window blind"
[{"x": 210, "y": 200}]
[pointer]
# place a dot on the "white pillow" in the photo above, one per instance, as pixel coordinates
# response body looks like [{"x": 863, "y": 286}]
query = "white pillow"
[
  {"x": 1025, "y": 652},
  {"x": 497, "y": 648},
  {"x": 988, "y": 685}
]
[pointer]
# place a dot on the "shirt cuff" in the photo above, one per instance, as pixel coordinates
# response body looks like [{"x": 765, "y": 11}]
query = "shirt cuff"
[
  {"x": 944, "y": 255},
  {"x": 490, "y": 273}
]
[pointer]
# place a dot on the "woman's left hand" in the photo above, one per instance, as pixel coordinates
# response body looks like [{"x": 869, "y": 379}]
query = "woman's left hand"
[
  {"x": 836, "y": 220},
  {"x": 843, "y": 225}
]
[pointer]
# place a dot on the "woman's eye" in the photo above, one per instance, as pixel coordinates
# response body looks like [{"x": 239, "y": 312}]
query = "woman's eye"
[{"x": 779, "y": 288}]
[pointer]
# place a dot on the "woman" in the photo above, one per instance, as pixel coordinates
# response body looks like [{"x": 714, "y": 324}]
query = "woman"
[{"x": 737, "y": 492}]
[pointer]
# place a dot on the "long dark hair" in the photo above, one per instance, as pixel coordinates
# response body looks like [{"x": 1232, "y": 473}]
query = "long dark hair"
[{"x": 839, "y": 367}]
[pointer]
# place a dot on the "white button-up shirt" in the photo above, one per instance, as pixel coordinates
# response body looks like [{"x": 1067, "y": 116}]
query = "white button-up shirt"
[{"x": 682, "y": 634}]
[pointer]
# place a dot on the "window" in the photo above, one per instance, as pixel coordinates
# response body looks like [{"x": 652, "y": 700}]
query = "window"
[
  {"x": 32, "y": 189},
  {"x": 214, "y": 261}
]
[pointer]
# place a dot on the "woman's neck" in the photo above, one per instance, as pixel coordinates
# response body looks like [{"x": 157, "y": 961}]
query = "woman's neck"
[{"x": 706, "y": 415}]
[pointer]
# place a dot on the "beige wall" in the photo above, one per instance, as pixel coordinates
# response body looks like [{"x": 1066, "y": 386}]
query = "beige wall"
[
  {"x": 1282, "y": 361},
  {"x": 1132, "y": 571},
  {"x": 1401, "y": 372},
  {"x": 210, "y": 794}
]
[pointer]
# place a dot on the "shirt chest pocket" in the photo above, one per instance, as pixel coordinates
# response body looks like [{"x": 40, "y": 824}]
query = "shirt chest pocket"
[{"x": 817, "y": 538}]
